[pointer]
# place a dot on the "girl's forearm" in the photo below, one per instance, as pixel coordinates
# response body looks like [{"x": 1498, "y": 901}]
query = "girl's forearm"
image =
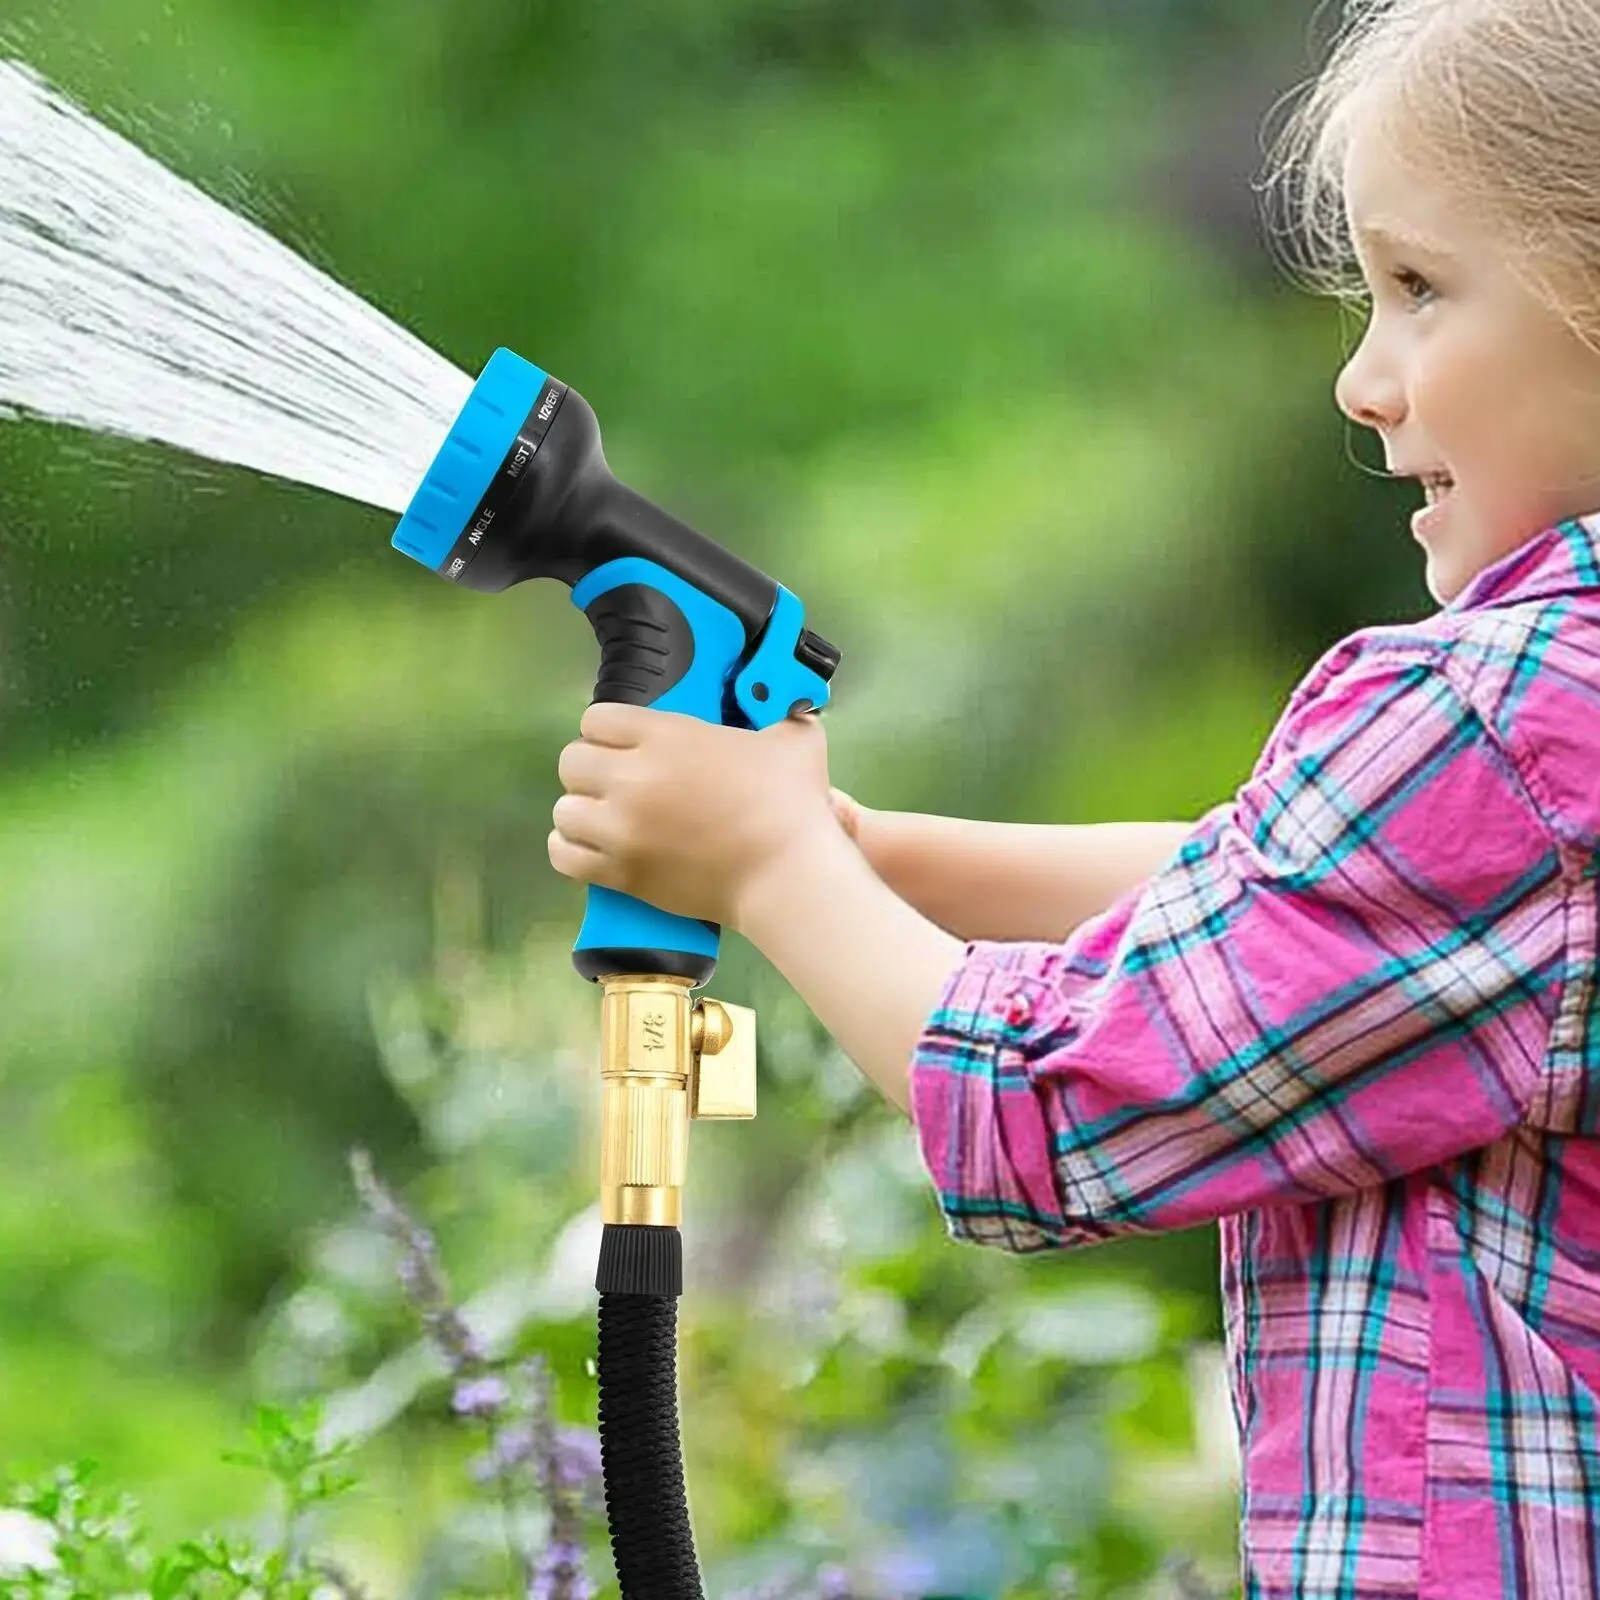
[
  {"x": 870, "y": 967},
  {"x": 869, "y": 933},
  {"x": 1012, "y": 881}
]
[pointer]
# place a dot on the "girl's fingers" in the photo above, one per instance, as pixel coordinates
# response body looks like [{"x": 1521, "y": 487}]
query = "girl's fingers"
[
  {"x": 582, "y": 768},
  {"x": 582, "y": 821},
  {"x": 610, "y": 722},
  {"x": 577, "y": 861}
]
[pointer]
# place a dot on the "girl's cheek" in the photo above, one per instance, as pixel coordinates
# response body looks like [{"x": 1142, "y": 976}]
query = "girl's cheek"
[{"x": 1469, "y": 410}]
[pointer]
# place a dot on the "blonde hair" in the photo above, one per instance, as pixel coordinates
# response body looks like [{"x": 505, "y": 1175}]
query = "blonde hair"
[{"x": 1497, "y": 99}]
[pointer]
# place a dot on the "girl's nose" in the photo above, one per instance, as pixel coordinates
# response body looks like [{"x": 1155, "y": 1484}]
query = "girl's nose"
[{"x": 1368, "y": 389}]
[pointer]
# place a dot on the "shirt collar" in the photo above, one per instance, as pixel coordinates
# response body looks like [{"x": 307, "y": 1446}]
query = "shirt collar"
[{"x": 1563, "y": 559}]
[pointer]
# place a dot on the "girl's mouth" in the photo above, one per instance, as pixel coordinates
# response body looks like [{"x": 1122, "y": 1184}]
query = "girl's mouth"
[{"x": 1438, "y": 487}]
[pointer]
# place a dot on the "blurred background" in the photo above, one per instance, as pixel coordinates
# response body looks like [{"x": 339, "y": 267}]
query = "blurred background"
[{"x": 959, "y": 319}]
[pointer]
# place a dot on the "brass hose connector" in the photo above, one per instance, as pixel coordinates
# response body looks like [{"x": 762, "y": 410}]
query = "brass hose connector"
[{"x": 664, "y": 1058}]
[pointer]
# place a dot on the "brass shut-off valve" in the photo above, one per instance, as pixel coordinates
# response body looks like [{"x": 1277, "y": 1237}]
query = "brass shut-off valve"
[{"x": 665, "y": 1058}]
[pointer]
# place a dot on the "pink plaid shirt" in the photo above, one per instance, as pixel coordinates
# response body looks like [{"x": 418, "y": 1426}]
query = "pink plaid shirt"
[{"x": 1354, "y": 1021}]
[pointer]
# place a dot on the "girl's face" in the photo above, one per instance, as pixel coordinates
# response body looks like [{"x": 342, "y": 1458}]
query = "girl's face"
[{"x": 1475, "y": 386}]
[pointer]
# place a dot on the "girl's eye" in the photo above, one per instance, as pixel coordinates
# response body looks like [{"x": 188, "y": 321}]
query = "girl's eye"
[{"x": 1412, "y": 284}]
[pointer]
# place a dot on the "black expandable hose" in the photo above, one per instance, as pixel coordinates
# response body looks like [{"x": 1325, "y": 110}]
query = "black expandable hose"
[{"x": 640, "y": 1279}]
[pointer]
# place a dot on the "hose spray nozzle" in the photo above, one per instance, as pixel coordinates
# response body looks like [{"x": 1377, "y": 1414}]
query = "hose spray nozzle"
[{"x": 520, "y": 489}]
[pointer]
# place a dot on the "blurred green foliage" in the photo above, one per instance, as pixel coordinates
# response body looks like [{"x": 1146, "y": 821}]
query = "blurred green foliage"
[{"x": 934, "y": 311}]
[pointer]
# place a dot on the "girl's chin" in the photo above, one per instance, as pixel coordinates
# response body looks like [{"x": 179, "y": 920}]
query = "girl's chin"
[
  {"x": 1443, "y": 589},
  {"x": 1446, "y": 573},
  {"x": 1449, "y": 571}
]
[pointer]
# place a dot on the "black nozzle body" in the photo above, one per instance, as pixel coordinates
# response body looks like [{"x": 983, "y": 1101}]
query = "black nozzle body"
[{"x": 554, "y": 510}]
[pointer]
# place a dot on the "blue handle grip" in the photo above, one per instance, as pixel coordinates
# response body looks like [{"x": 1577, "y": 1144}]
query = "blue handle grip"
[{"x": 667, "y": 645}]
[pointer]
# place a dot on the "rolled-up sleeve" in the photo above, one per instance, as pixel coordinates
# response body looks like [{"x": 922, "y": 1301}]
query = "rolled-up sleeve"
[{"x": 1346, "y": 973}]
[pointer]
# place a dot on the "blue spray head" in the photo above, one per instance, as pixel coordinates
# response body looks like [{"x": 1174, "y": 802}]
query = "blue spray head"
[{"x": 450, "y": 500}]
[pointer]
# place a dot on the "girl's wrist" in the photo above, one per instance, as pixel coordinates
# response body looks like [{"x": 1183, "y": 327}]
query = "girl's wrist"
[{"x": 766, "y": 895}]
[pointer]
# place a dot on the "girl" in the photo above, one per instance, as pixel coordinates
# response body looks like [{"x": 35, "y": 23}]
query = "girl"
[{"x": 1349, "y": 1014}]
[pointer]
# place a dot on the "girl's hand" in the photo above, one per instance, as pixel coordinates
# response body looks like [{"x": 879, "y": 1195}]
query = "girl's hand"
[{"x": 685, "y": 814}]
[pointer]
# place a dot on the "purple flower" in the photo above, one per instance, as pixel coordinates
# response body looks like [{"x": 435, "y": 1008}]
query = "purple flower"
[
  {"x": 480, "y": 1397},
  {"x": 563, "y": 1464},
  {"x": 512, "y": 1447},
  {"x": 461, "y": 1348},
  {"x": 577, "y": 1460},
  {"x": 833, "y": 1583},
  {"x": 422, "y": 1278},
  {"x": 560, "y": 1574}
]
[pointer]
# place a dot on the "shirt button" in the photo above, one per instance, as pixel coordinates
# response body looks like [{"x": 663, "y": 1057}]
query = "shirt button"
[{"x": 1019, "y": 1010}]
